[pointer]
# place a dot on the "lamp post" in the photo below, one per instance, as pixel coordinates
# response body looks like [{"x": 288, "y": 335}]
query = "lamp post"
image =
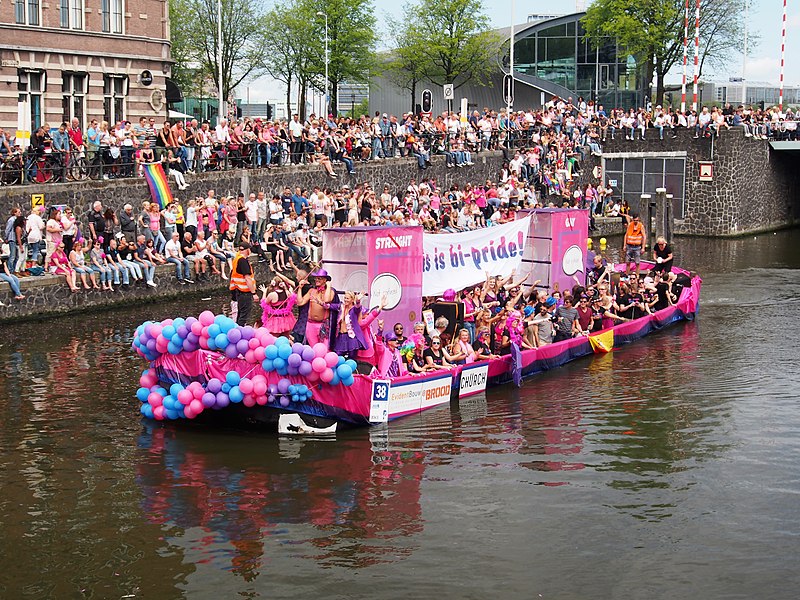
[
  {"x": 221, "y": 110},
  {"x": 327, "y": 99}
]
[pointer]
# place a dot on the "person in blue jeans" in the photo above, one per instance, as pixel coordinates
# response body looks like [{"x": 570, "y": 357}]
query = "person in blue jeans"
[
  {"x": 10, "y": 279},
  {"x": 11, "y": 236},
  {"x": 174, "y": 255}
]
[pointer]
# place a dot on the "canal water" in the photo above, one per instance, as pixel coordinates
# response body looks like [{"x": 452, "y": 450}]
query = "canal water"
[{"x": 667, "y": 469}]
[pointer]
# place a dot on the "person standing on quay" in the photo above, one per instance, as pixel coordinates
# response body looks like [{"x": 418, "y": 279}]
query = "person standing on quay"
[
  {"x": 633, "y": 244},
  {"x": 242, "y": 285}
]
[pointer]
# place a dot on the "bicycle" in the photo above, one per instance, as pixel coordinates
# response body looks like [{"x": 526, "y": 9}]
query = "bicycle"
[
  {"x": 77, "y": 168},
  {"x": 11, "y": 169}
]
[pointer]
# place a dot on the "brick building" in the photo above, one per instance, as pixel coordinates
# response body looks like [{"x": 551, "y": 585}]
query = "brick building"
[{"x": 104, "y": 59}]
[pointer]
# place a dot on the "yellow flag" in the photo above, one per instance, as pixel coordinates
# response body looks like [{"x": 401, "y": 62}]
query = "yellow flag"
[{"x": 602, "y": 342}]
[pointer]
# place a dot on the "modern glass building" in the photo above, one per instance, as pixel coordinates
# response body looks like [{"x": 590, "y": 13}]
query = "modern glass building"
[{"x": 554, "y": 51}]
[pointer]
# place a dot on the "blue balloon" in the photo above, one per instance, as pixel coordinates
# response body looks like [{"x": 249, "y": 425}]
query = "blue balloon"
[
  {"x": 212, "y": 345},
  {"x": 214, "y": 330},
  {"x": 235, "y": 394},
  {"x": 336, "y": 379},
  {"x": 284, "y": 351},
  {"x": 233, "y": 378},
  {"x": 271, "y": 351},
  {"x": 169, "y": 403},
  {"x": 221, "y": 341},
  {"x": 142, "y": 393},
  {"x": 295, "y": 398},
  {"x": 279, "y": 364},
  {"x": 172, "y": 414},
  {"x": 146, "y": 410},
  {"x": 226, "y": 387},
  {"x": 344, "y": 371},
  {"x": 352, "y": 364},
  {"x": 292, "y": 390},
  {"x": 176, "y": 339},
  {"x": 175, "y": 389},
  {"x": 267, "y": 365},
  {"x": 173, "y": 349},
  {"x": 283, "y": 341},
  {"x": 340, "y": 361},
  {"x": 168, "y": 332},
  {"x": 219, "y": 319},
  {"x": 349, "y": 381},
  {"x": 160, "y": 390}
]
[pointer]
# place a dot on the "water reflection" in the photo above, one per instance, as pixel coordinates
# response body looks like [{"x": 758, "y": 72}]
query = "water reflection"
[{"x": 356, "y": 498}]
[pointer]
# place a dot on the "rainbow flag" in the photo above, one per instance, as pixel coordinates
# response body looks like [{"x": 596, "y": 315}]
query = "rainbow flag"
[{"x": 159, "y": 186}]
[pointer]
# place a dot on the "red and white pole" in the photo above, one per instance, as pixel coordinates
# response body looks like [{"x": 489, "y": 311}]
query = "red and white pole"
[
  {"x": 685, "y": 54},
  {"x": 783, "y": 50},
  {"x": 696, "y": 52}
]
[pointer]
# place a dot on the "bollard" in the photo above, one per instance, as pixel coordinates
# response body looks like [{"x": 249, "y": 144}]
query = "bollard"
[
  {"x": 660, "y": 213},
  {"x": 668, "y": 219},
  {"x": 646, "y": 205}
]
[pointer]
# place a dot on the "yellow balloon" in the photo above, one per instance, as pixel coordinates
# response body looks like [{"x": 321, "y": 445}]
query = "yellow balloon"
[{"x": 589, "y": 243}]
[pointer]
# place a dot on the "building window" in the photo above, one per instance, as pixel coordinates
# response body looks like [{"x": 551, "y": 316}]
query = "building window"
[
  {"x": 71, "y": 14},
  {"x": 111, "y": 11},
  {"x": 31, "y": 86},
  {"x": 115, "y": 88},
  {"x": 73, "y": 99},
  {"x": 26, "y": 12}
]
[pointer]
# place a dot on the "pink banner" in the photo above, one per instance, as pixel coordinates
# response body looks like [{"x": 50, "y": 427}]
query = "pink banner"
[{"x": 569, "y": 229}]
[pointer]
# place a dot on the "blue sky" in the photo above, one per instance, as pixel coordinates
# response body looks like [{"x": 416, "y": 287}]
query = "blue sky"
[{"x": 763, "y": 63}]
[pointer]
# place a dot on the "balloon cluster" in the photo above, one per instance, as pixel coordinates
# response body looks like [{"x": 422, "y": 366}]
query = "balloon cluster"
[{"x": 255, "y": 345}]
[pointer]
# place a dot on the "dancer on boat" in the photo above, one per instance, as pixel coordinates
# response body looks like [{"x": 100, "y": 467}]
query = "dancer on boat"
[
  {"x": 277, "y": 304},
  {"x": 321, "y": 300}
]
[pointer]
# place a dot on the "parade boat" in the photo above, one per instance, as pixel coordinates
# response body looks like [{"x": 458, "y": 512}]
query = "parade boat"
[{"x": 210, "y": 370}]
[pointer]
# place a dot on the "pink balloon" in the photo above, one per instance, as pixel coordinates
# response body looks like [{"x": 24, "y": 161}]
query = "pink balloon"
[
  {"x": 268, "y": 339},
  {"x": 259, "y": 387},
  {"x": 259, "y": 354},
  {"x": 188, "y": 412},
  {"x": 155, "y": 330},
  {"x": 326, "y": 375},
  {"x": 155, "y": 399},
  {"x": 320, "y": 349},
  {"x": 158, "y": 413},
  {"x": 196, "y": 406},
  {"x": 197, "y": 328},
  {"x": 148, "y": 380},
  {"x": 204, "y": 343},
  {"x": 331, "y": 359},
  {"x": 318, "y": 364},
  {"x": 185, "y": 397},
  {"x": 254, "y": 343},
  {"x": 261, "y": 400},
  {"x": 246, "y": 385},
  {"x": 206, "y": 317},
  {"x": 250, "y": 356},
  {"x": 197, "y": 390},
  {"x": 313, "y": 376},
  {"x": 249, "y": 401},
  {"x": 166, "y": 322}
]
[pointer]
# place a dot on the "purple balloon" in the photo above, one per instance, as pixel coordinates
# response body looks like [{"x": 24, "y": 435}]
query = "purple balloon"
[
  {"x": 294, "y": 360},
  {"x": 214, "y": 385},
  {"x": 188, "y": 346},
  {"x": 308, "y": 354},
  {"x": 292, "y": 370},
  {"x": 209, "y": 399},
  {"x": 273, "y": 389},
  {"x": 248, "y": 332},
  {"x": 183, "y": 331},
  {"x": 234, "y": 335},
  {"x": 231, "y": 351},
  {"x": 222, "y": 399},
  {"x": 190, "y": 321},
  {"x": 283, "y": 385},
  {"x": 242, "y": 346},
  {"x": 151, "y": 345},
  {"x": 297, "y": 348},
  {"x": 285, "y": 401},
  {"x": 271, "y": 399},
  {"x": 193, "y": 338},
  {"x": 305, "y": 368}
]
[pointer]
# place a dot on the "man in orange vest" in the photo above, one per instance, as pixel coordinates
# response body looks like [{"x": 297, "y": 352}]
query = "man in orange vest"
[
  {"x": 242, "y": 285},
  {"x": 633, "y": 244}
]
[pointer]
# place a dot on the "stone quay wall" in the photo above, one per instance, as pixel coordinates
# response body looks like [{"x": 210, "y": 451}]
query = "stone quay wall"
[
  {"x": 396, "y": 173},
  {"x": 754, "y": 188}
]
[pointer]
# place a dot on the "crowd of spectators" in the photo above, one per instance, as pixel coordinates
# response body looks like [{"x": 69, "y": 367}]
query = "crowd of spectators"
[{"x": 107, "y": 150}]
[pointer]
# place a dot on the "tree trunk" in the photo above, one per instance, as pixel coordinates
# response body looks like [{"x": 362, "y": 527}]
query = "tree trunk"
[
  {"x": 659, "y": 99},
  {"x": 301, "y": 100},
  {"x": 413, "y": 94},
  {"x": 288, "y": 98},
  {"x": 334, "y": 107}
]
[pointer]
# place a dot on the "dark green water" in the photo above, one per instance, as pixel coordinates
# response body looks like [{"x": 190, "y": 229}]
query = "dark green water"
[{"x": 667, "y": 469}]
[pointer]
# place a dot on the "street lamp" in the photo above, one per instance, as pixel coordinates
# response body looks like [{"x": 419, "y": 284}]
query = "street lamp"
[
  {"x": 221, "y": 111},
  {"x": 327, "y": 100}
]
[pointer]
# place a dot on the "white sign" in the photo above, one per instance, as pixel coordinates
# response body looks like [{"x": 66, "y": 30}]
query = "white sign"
[
  {"x": 449, "y": 94},
  {"x": 457, "y": 260},
  {"x": 385, "y": 285},
  {"x": 379, "y": 404},
  {"x": 473, "y": 380},
  {"x": 412, "y": 397},
  {"x": 612, "y": 182},
  {"x": 572, "y": 262}
]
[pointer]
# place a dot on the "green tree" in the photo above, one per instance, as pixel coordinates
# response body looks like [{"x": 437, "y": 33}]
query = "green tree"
[
  {"x": 404, "y": 67},
  {"x": 652, "y": 31},
  {"x": 450, "y": 41},
  {"x": 193, "y": 28}
]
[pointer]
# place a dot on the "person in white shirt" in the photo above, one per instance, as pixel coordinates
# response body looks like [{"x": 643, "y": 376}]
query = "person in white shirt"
[
  {"x": 174, "y": 255},
  {"x": 251, "y": 215},
  {"x": 222, "y": 133},
  {"x": 296, "y": 138},
  {"x": 34, "y": 226},
  {"x": 263, "y": 215}
]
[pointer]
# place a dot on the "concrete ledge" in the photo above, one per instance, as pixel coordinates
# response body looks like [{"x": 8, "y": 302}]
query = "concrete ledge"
[{"x": 49, "y": 296}]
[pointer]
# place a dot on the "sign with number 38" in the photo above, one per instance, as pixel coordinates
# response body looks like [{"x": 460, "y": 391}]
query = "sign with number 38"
[{"x": 379, "y": 404}]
